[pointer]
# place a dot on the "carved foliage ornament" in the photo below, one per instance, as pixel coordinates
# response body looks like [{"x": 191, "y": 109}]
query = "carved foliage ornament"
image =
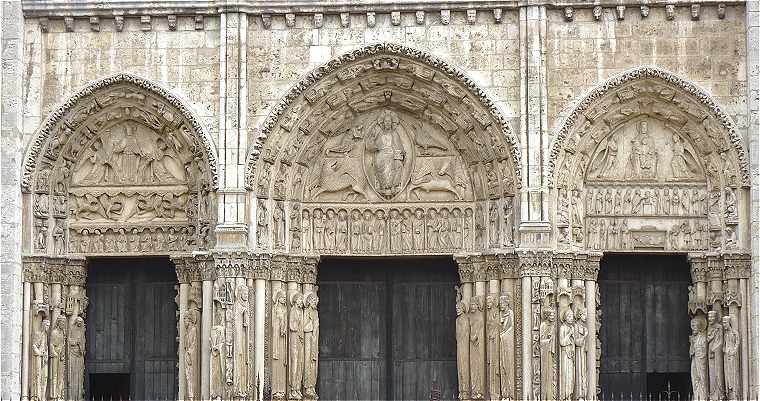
[
  {"x": 381, "y": 122},
  {"x": 697, "y": 129},
  {"x": 122, "y": 166}
]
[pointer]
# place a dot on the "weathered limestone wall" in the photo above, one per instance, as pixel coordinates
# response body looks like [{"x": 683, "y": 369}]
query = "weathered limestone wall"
[
  {"x": 11, "y": 149},
  {"x": 710, "y": 52},
  {"x": 72, "y": 52},
  {"x": 279, "y": 55}
]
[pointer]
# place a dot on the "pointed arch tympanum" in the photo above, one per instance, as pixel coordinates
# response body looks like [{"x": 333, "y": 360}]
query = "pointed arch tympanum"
[
  {"x": 377, "y": 147},
  {"x": 647, "y": 161},
  {"x": 122, "y": 167}
]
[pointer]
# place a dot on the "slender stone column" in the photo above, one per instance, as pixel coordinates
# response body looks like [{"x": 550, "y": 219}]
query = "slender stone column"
[
  {"x": 26, "y": 336},
  {"x": 539, "y": 324},
  {"x": 715, "y": 333},
  {"x": 261, "y": 273},
  {"x": 592, "y": 270},
  {"x": 208, "y": 274}
]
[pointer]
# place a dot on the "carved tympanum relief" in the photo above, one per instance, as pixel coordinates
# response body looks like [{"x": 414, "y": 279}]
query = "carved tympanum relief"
[
  {"x": 384, "y": 125},
  {"x": 646, "y": 163},
  {"x": 122, "y": 167}
]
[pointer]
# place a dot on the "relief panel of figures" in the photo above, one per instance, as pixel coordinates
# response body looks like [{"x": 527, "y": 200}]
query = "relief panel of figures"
[{"x": 389, "y": 230}]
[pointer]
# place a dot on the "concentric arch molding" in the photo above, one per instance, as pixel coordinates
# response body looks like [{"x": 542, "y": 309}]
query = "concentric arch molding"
[
  {"x": 384, "y": 48},
  {"x": 44, "y": 132},
  {"x": 641, "y": 73}
]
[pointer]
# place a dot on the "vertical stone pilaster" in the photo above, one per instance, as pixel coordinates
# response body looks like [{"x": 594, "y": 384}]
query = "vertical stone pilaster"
[{"x": 11, "y": 288}]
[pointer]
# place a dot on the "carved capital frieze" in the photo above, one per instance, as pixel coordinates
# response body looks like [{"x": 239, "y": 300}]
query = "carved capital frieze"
[
  {"x": 232, "y": 263},
  {"x": 736, "y": 266},
  {"x": 564, "y": 265},
  {"x": 479, "y": 268},
  {"x": 465, "y": 268},
  {"x": 309, "y": 266},
  {"x": 261, "y": 266},
  {"x": 508, "y": 266},
  {"x": 35, "y": 269},
  {"x": 294, "y": 269},
  {"x": 188, "y": 268},
  {"x": 279, "y": 266},
  {"x": 535, "y": 263},
  {"x": 698, "y": 267},
  {"x": 75, "y": 271},
  {"x": 715, "y": 267},
  {"x": 491, "y": 267}
]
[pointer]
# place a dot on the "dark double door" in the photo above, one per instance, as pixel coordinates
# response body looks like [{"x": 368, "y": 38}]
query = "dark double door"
[
  {"x": 131, "y": 329},
  {"x": 645, "y": 326},
  {"x": 387, "y": 329}
]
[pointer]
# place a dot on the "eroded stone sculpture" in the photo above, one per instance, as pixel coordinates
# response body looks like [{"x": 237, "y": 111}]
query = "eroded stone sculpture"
[
  {"x": 506, "y": 347},
  {"x": 715, "y": 355},
  {"x": 311, "y": 346},
  {"x": 567, "y": 355},
  {"x": 492, "y": 346},
  {"x": 295, "y": 347},
  {"x": 279, "y": 345},
  {"x": 477, "y": 348},
  {"x": 698, "y": 352},
  {"x": 463, "y": 347}
]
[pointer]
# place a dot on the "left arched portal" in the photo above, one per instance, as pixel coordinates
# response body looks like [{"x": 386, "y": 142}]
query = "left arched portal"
[{"x": 122, "y": 167}]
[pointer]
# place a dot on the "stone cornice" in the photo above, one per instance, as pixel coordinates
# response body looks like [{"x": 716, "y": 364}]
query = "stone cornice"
[{"x": 88, "y": 8}]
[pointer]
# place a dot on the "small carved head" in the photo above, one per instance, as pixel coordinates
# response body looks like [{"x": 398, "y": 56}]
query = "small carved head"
[
  {"x": 305, "y": 214},
  {"x": 330, "y": 213},
  {"x": 721, "y": 11},
  {"x": 580, "y": 314},
  {"x": 461, "y": 307},
  {"x": 297, "y": 300},
  {"x": 317, "y": 213},
  {"x": 356, "y": 214},
  {"x": 367, "y": 215},
  {"x": 697, "y": 324},
  {"x": 60, "y": 323},
  {"x": 342, "y": 214},
  {"x": 419, "y": 213},
  {"x": 407, "y": 213},
  {"x": 726, "y": 322},
  {"x": 444, "y": 212},
  {"x": 504, "y": 302},
  {"x": 597, "y": 12},
  {"x": 670, "y": 11},
  {"x": 490, "y": 301},
  {"x": 712, "y": 317},
  {"x": 695, "y": 11},
  {"x": 279, "y": 297},
  {"x": 569, "y": 13},
  {"x": 568, "y": 316},
  {"x": 45, "y": 324},
  {"x": 380, "y": 214},
  {"x": 312, "y": 301},
  {"x": 457, "y": 213},
  {"x": 644, "y": 11},
  {"x": 475, "y": 304},
  {"x": 394, "y": 213},
  {"x": 468, "y": 212},
  {"x": 549, "y": 315}
]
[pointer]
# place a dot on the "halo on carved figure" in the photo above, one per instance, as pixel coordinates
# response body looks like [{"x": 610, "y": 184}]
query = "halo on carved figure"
[
  {"x": 121, "y": 167},
  {"x": 695, "y": 115},
  {"x": 384, "y": 150},
  {"x": 647, "y": 162},
  {"x": 427, "y": 94}
]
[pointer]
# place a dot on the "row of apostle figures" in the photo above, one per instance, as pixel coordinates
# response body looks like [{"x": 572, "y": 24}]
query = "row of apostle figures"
[
  {"x": 295, "y": 345},
  {"x": 714, "y": 350},
  {"x": 485, "y": 347}
]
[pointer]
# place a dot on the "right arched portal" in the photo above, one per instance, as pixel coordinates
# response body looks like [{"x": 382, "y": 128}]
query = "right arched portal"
[{"x": 648, "y": 162}]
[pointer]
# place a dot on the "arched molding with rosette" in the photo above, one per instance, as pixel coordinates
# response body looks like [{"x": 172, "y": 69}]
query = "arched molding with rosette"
[
  {"x": 376, "y": 137},
  {"x": 121, "y": 167},
  {"x": 648, "y": 161}
]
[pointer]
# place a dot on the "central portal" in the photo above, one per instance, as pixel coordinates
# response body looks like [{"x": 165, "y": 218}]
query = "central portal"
[{"x": 387, "y": 328}]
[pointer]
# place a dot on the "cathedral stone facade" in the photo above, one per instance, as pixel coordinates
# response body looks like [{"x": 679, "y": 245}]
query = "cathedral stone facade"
[{"x": 482, "y": 200}]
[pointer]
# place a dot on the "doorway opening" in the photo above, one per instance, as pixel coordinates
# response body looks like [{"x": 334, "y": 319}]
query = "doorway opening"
[
  {"x": 645, "y": 326},
  {"x": 387, "y": 328},
  {"x": 131, "y": 329}
]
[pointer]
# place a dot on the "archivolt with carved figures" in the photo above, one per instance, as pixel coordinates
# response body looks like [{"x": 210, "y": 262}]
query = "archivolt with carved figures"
[
  {"x": 123, "y": 167},
  {"x": 389, "y": 126},
  {"x": 648, "y": 162}
]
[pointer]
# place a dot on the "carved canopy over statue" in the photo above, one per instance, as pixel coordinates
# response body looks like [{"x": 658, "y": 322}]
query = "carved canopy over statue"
[
  {"x": 647, "y": 161},
  {"x": 122, "y": 167},
  {"x": 389, "y": 126}
]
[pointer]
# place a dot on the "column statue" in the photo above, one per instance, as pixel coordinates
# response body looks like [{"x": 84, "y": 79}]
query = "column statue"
[
  {"x": 463, "y": 349},
  {"x": 295, "y": 347},
  {"x": 567, "y": 356},
  {"x": 279, "y": 345},
  {"x": 39, "y": 373},
  {"x": 547, "y": 343},
  {"x": 506, "y": 348},
  {"x": 715, "y": 355},
  {"x": 191, "y": 347},
  {"x": 311, "y": 346},
  {"x": 492, "y": 346},
  {"x": 731, "y": 359},
  {"x": 76, "y": 358},
  {"x": 58, "y": 359},
  {"x": 477, "y": 350},
  {"x": 217, "y": 362},
  {"x": 241, "y": 340},
  {"x": 698, "y": 353},
  {"x": 580, "y": 336}
]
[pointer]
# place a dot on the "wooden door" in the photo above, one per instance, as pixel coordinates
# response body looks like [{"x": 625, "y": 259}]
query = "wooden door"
[
  {"x": 386, "y": 329},
  {"x": 645, "y": 324},
  {"x": 132, "y": 328}
]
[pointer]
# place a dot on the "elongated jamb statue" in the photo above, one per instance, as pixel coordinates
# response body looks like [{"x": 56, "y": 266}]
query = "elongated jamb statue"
[
  {"x": 506, "y": 348},
  {"x": 698, "y": 353},
  {"x": 715, "y": 355},
  {"x": 463, "y": 349},
  {"x": 311, "y": 346},
  {"x": 580, "y": 336},
  {"x": 492, "y": 347},
  {"x": 279, "y": 345},
  {"x": 548, "y": 341},
  {"x": 477, "y": 348},
  {"x": 730, "y": 359},
  {"x": 295, "y": 347},
  {"x": 567, "y": 356},
  {"x": 75, "y": 366},
  {"x": 58, "y": 359}
]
